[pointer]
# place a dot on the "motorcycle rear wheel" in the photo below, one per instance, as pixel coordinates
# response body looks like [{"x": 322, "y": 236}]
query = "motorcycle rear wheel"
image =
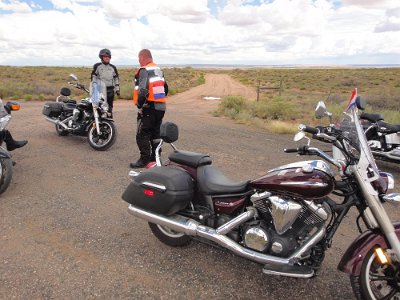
[
  {"x": 107, "y": 137},
  {"x": 376, "y": 281},
  {"x": 169, "y": 236},
  {"x": 61, "y": 131},
  {"x": 6, "y": 171}
]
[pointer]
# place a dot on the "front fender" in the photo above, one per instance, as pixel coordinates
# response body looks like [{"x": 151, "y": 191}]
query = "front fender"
[
  {"x": 4, "y": 153},
  {"x": 354, "y": 256}
]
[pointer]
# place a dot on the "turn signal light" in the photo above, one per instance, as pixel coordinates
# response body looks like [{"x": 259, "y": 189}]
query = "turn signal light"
[
  {"x": 15, "y": 107},
  {"x": 381, "y": 256},
  {"x": 149, "y": 193}
]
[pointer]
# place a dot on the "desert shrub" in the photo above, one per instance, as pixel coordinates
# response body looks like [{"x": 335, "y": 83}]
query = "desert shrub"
[
  {"x": 276, "y": 109},
  {"x": 232, "y": 104},
  {"x": 28, "y": 97}
]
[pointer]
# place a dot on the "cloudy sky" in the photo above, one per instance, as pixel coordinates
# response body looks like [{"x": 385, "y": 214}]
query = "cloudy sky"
[{"x": 267, "y": 32}]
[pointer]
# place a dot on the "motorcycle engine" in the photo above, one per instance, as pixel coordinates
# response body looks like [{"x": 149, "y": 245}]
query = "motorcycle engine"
[{"x": 285, "y": 223}]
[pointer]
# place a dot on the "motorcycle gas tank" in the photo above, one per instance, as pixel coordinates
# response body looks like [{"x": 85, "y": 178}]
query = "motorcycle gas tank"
[
  {"x": 68, "y": 107},
  {"x": 307, "y": 179},
  {"x": 84, "y": 104}
]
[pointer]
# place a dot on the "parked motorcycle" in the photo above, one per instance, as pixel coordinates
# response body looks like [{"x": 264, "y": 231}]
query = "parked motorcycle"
[
  {"x": 383, "y": 138},
  {"x": 284, "y": 220},
  {"x": 89, "y": 117},
  {"x": 6, "y": 164}
]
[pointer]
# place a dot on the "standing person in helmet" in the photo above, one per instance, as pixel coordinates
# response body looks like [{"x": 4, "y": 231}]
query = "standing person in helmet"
[
  {"x": 108, "y": 73},
  {"x": 150, "y": 96}
]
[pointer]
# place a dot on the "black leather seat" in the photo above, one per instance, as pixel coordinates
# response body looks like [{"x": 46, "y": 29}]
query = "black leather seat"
[
  {"x": 371, "y": 117},
  {"x": 212, "y": 182},
  {"x": 388, "y": 128},
  {"x": 191, "y": 159}
]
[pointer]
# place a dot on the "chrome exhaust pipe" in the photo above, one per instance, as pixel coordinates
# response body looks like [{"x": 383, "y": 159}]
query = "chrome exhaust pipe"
[
  {"x": 386, "y": 155},
  {"x": 57, "y": 122},
  {"x": 194, "y": 228}
]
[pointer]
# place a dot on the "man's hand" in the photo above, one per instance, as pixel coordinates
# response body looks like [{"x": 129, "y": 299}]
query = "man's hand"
[{"x": 140, "y": 111}]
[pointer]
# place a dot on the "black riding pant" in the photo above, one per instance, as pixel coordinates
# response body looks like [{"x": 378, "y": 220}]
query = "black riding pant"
[
  {"x": 148, "y": 130},
  {"x": 110, "y": 98}
]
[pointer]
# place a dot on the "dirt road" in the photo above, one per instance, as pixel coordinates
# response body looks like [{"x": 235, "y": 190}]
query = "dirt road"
[{"x": 65, "y": 232}]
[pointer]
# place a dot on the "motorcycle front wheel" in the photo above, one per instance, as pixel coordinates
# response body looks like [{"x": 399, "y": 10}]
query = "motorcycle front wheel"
[
  {"x": 106, "y": 138},
  {"x": 169, "y": 236},
  {"x": 6, "y": 170},
  {"x": 377, "y": 281}
]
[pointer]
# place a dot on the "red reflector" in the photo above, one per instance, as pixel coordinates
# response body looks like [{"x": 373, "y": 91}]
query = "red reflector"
[{"x": 149, "y": 192}]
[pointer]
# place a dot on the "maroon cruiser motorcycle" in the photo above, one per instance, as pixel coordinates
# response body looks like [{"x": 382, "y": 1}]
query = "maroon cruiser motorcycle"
[{"x": 284, "y": 220}]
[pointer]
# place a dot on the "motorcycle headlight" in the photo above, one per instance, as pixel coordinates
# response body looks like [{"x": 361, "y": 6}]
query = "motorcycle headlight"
[
  {"x": 4, "y": 121},
  {"x": 384, "y": 183}
]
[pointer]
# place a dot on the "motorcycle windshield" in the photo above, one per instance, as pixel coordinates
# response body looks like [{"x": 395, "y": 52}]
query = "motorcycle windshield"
[
  {"x": 3, "y": 111},
  {"x": 359, "y": 145},
  {"x": 98, "y": 92}
]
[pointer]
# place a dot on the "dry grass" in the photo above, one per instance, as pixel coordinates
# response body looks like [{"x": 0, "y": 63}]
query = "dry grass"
[
  {"x": 303, "y": 88},
  {"x": 44, "y": 83}
]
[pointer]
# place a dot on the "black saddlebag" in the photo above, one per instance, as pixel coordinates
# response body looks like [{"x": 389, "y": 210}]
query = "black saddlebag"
[
  {"x": 161, "y": 190},
  {"x": 52, "y": 109}
]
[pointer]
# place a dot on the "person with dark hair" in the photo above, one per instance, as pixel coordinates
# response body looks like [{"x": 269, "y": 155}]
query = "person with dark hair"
[
  {"x": 108, "y": 73},
  {"x": 150, "y": 97}
]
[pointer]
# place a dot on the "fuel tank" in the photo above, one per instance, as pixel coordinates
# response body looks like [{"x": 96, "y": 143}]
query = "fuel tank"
[
  {"x": 84, "y": 104},
  {"x": 306, "y": 179}
]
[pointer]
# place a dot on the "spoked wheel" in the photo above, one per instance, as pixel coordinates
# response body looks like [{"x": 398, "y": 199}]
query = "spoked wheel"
[
  {"x": 106, "y": 138},
  {"x": 169, "y": 236},
  {"x": 6, "y": 170},
  {"x": 61, "y": 131},
  {"x": 377, "y": 281}
]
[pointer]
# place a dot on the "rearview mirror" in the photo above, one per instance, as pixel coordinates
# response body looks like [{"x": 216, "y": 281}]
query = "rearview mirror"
[
  {"x": 74, "y": 77},
  {"x": 299, "y": 136},
  {"x": 320, "y": 111},
  {"x": 360, "y": 102}
]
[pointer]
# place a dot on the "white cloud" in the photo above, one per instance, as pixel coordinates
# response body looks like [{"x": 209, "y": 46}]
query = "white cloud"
[
  {"x": 185, "y": 31},
  {"x": 15, "y": 6}
]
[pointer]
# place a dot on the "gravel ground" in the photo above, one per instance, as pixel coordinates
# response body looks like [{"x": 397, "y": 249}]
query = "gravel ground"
[{"x": 66, "y": 233}]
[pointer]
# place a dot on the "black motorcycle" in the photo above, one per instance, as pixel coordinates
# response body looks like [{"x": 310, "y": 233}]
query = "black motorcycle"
[
  {"x": 383, "y": 138},
  {"x": 6, "y": 164},
  {"x": 89, "y": 117}
]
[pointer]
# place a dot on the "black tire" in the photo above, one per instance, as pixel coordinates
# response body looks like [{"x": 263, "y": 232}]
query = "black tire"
[
  {"x": 61, "y": 131},
  {"x": 6, "y": 171},
  {"x": 365, "y": 288},
  {"x": 170, "y": 237},
  {"x": 107, "y": 137}
]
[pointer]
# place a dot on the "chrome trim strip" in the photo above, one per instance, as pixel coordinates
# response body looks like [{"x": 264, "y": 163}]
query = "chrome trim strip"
[
  {"x": 307, "y": 183},
  {"x": 304, "y": 276},
  {"x": 393, "y": 198},
  {"x": 154, "y": 185}
]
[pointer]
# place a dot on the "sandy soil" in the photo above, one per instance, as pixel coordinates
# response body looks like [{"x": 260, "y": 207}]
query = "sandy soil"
[{"x": 65, "y": 232}]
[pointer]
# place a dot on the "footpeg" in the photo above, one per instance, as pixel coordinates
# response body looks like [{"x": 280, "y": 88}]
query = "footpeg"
[{"x": 289, "y": 271}]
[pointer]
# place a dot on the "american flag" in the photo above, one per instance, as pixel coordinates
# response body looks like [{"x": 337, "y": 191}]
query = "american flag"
[{"x": 352, "y": 101}]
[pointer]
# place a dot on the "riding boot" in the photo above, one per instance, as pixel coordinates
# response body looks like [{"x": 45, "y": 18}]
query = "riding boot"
[
  {"x": 140, "y": 163},
  {"x": 11, "y": 143}
]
